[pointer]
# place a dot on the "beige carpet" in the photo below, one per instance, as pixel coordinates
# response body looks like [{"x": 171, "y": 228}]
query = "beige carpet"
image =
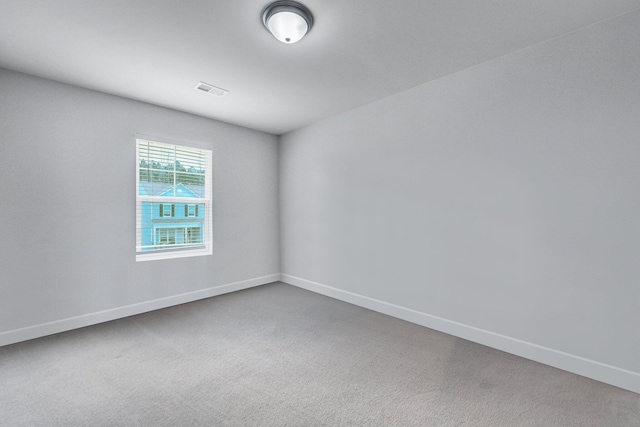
[{"x": 277, "y": 355}]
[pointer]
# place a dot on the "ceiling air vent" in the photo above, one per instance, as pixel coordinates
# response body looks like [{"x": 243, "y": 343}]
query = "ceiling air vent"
[{"x": 206, "y": 87}]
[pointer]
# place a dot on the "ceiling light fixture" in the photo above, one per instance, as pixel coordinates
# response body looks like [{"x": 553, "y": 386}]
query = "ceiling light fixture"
[{"x": 288, "y": 21}]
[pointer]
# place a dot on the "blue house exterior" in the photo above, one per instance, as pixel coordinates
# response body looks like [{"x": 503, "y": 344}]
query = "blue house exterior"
[{"x": 167, "y": 225}]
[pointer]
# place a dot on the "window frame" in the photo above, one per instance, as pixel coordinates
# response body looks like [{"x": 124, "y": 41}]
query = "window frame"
[
  {"x": 163, "y": 210},
  {"x": 200, "y": 250}
]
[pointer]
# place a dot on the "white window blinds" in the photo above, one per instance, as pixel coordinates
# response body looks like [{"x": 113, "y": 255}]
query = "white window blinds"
[{"x": 173, "y": 201}]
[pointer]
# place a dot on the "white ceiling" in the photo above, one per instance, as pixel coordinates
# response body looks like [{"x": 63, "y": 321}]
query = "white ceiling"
[{"x": 358, "y": 50}]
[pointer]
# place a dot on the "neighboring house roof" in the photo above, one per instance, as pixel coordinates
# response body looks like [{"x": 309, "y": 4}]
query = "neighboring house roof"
[
  {"x": 167, "y": 190},
  {"x": 181, "y": 190},
  {"x": 175, "y": 224}
]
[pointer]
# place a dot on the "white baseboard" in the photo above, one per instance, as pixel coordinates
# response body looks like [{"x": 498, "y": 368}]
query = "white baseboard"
[
  {"x": 578, "y": 365},
  {"x": 588, "y": 368},
  {"x": 41, "y": 330}
]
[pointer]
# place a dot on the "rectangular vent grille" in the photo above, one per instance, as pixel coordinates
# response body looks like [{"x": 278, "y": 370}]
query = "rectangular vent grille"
[{"x": 206, "y": 87}]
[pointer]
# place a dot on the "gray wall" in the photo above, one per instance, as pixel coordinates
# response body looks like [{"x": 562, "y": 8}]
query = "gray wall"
[
  {"x": 504, "y": 197},
  {"x": 67, "y": 203}
]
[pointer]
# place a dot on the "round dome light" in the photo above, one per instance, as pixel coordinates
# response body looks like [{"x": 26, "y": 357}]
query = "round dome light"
[{"x": 288, "y": 21}]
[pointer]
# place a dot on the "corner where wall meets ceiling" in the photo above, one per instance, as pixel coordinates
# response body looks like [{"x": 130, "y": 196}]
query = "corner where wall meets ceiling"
[{"x": 357, "y": 51}]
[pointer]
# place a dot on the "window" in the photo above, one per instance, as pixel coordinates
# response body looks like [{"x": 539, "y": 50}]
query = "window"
[
  {"x": 165, "y": 236},
  {"x": 166, "y": 209},
  {"x": 191, "y": 210},
  {"x": 193, "y": 235},
  {"x": 173, "y": 203}
]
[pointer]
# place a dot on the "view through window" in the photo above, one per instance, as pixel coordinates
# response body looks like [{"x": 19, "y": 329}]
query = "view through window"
[{"x": 173, "y": 208}]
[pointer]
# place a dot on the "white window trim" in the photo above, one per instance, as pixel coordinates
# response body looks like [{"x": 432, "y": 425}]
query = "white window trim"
[
  {"x": 164, "y": 210},
  {"x": 206, "y": 201}
]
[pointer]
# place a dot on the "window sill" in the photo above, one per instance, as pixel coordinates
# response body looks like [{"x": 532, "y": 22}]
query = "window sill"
[{"x": 173, "y": 254}]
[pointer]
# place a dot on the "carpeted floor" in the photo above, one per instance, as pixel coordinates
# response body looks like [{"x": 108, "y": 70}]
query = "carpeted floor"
[{"x": 277, "y": 355}]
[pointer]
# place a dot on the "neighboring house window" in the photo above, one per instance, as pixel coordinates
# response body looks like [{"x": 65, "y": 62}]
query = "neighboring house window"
[
  {"x": 173, "y": 213},
  {"x": 167, "y": 210},
  {"x": 193, "y": 234},
  {"x": 166, "y": 236},
  {"x": 190, "y": 210}
]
